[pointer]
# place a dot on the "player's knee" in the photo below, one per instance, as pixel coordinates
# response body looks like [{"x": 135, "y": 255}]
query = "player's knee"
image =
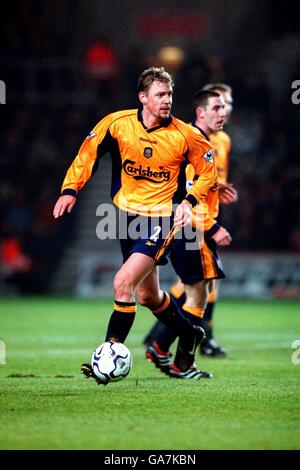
[
  {"x": 148, "y": 299},
  {"x": 197, "y": 294},
  {"x": 122, "y": 285}
]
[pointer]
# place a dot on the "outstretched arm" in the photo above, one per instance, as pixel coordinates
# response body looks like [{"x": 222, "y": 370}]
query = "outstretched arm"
[{"x": 84, "y": 165}]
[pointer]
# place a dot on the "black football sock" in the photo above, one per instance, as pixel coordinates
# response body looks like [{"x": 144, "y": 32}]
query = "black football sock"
[
  {"x": 160, "y": 332},
  {"x": 165, "y": 337},
  {"x": 185, "y": 356},
  {"x": 195, "y": 316},
  {"x": 121, "y": 321},
  {"x": 209, "y": 311},
  {"x": 195, "y": 320},
  {"x": 206, "y": 322},
  {"x": 169, "y": 314},
  {"x": 153, "y": 334}
]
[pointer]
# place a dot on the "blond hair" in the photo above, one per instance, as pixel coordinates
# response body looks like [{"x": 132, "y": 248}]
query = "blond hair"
[{"x": 153, "y": 74}]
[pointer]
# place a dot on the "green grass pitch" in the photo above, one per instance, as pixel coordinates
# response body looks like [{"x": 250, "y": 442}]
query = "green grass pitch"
[{"x": 251, "y": 403}]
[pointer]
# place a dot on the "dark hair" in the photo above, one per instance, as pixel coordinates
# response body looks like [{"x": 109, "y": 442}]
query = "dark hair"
[
  {"x": 218, "y": 87},
  {"x": 151, "y": 75},
  {"x": 201, "y": 98}
]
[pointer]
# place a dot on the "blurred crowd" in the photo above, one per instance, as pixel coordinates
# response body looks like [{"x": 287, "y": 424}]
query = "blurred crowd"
[
  {"x": 40, "y": 138},
  {"x": 33, "y": 158}
]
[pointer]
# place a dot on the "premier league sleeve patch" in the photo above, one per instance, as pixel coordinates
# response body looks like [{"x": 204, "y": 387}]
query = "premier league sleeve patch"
[{"x": 209, "y": 156}]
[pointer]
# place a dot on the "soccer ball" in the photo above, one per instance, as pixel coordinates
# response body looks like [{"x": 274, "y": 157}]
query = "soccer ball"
[{"x": 111, "y": 361}]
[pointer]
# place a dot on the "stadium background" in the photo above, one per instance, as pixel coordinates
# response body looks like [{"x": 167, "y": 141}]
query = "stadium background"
[{"x": 67, "y": 65}]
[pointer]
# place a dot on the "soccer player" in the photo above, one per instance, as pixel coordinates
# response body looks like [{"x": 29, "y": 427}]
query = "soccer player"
[
  {"x": 150, "y": 150},
  {"x": 221, "y": 144},
  {"x": 197, "y": 268}
]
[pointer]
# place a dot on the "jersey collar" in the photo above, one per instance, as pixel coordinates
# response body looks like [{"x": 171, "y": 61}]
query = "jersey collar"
[
  {"x": 201, "y": 130},
  {"x": 152, "y": 129}
]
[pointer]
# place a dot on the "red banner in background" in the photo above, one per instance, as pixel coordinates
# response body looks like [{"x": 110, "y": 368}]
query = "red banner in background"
[{"x": 165, "y": 25}]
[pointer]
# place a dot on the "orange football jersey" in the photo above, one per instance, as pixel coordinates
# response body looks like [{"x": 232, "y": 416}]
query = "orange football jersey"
[
  {"x": 221, "y": 144},
  {"x": 148, "y": 165}
]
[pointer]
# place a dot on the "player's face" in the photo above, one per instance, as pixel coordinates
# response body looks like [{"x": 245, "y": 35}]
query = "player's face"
[
  {"x": 157, "y": 101},
  {"x": 228, "y": 104},
  {"x": 215, "y": 114}
]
